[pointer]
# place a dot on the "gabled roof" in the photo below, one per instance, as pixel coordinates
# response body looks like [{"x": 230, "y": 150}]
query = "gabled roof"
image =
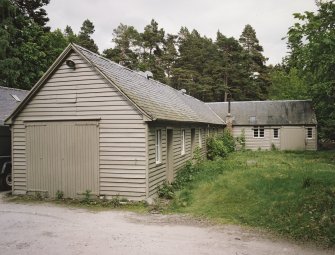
[
  {"x": 281, "y": 112},
  {"x": 155, "y": 100},
  {"x": 158, "y": 100},
  {"x": 8, "y": 102}
]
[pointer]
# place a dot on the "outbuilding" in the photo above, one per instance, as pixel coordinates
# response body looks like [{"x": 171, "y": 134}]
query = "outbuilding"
[
  {"x": 91, "y": 124},
  {"x": 280, "y": 124}
]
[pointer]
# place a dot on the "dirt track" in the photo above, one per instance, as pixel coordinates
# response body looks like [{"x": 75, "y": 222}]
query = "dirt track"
[{"x": 50, "y": 229}]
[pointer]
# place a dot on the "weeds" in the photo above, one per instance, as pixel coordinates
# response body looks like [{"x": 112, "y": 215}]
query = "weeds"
[{"x": 59, "y": 194}]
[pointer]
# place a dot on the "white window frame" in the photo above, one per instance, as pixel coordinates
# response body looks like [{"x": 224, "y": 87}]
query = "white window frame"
[
  {"x": 200, "y": 138},
  {"x": 183, "y": 138},
  {"x": 258, "y": 130},
  {"x": 158, "y": 146},
  {"x": 307, "y": 133},
  {"x": 277, "y": 133}
]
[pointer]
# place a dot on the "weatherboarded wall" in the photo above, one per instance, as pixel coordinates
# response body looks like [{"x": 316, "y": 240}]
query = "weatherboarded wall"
[
  {"x": 312, "y": 143},
  {"x": 83, "y": 94},
  {"x": 158, "y": 172},
  {"x": 266, "y": 142}
]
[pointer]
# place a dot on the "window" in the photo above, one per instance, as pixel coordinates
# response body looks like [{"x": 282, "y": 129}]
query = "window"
[
  {"x": 309, "y": 133},
  {"x": 258, "y": 132},
  {"x": 182, "y": 141},
  {"x": 158, "y": 146},
  {"x": 276, "y": 133},
  {"x": 200, "y": 138}
]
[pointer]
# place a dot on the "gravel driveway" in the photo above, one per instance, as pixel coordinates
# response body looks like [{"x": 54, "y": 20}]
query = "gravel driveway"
[{"x": 51, "y": 229}]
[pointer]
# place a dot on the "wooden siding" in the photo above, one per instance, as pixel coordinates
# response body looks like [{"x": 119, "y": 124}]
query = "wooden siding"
[
  {"x": 63, "y": 156},
  {"x": 312, "y": 143},
  {"x": 158, "y": 172},
  {"x": 83, "y": 93},
  {"x": 265, "y": 143}
]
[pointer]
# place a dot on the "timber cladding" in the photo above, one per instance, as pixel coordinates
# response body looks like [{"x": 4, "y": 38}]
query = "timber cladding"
[{"x": 73, "y": 96}]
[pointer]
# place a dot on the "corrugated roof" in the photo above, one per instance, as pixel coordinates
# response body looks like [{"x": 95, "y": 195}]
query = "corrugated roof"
[
  {"x": 8, "y": 102},
  {"x": 281, "y": 112},
  {"x": 158, "y": 100}
]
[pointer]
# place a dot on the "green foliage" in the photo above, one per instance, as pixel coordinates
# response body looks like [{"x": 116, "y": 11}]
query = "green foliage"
[
  {"x": 208, "y": 70},
  {"x": 27, "y": 47},
  {"x": 287, "y": 85},
  {"x": 241, "y": 140},
  {"x": 87, "y": 196},
  {"x": 311, "y": 41},
  {"x": 183, "y": 178},
  {"x": 166, "y": 190},
  {"x": 59, "y": 194},
  {"x": 290, "y": 193},
  {"x": 220, "y": 145},
  {"x": 84, "y": 37}
]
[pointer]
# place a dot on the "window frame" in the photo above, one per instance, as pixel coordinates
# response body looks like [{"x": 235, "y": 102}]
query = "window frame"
[
  {"x": 274, "y": 132},
  {"x": 183, "y": 138},
  {"x": 258, "y": 130},
  {"x": 158, "y": 146},
  {"x": 311, "y": 133}
]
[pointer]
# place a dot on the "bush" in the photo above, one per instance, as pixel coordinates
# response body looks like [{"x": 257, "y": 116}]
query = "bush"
[{"x": 220, "y": 145}]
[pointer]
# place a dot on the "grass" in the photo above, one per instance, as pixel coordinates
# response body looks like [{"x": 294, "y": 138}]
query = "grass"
[{"x": 290, "y": 193}]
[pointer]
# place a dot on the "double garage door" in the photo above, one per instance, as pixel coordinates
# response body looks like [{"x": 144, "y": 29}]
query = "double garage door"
[{"x": 63, "y": 156}]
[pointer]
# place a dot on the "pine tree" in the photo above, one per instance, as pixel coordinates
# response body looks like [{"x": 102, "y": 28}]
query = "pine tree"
[
  {"x": 258, "y": 73},
  {"x": 84, "y": 37},
  {"x": 124, "y": 52}
]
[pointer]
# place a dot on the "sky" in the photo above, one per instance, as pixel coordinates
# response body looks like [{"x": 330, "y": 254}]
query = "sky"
[{"x": 270, "y": 18}]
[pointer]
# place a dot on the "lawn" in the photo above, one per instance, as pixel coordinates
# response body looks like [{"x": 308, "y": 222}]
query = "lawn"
[{"x": 290, "y": 193}]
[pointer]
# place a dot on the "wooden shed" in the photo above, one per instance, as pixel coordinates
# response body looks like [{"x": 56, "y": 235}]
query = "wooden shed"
[
  {"x": 283, "y": 124},
  {"x": 91, "y": 124}
]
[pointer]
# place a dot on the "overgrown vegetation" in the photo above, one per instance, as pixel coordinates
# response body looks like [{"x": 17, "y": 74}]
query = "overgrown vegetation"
[
  {"x": 290, "y": 193},
  {"x": 220, "y": 145},
  {"x": 88, "y": 202}
]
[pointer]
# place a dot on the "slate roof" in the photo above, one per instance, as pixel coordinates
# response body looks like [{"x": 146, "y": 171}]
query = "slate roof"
[
  {"x": 159, "y": 101},
  {"x": 7, "y": 101},
  {"x": 281, "y": 112}
]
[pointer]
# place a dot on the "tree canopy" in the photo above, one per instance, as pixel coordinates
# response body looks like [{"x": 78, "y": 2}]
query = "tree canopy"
[{"x": 311, "y": 41}]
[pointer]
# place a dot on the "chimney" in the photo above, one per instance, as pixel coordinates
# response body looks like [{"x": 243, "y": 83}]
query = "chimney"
[{"x": 229, "y": 119}]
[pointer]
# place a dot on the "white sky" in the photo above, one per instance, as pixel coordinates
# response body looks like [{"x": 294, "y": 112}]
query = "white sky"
[{"x": 270, "y": 18}]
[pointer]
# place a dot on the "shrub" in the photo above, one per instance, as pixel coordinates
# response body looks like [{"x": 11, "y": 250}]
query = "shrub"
[{"x": 220, "y": 145}]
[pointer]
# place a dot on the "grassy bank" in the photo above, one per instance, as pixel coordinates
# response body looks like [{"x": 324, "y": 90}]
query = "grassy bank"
[{"x": 291, "y": 193}]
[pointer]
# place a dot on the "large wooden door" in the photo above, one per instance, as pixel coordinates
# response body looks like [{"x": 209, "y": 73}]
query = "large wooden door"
[
  {"x": 292, "y": 138},
  {"x": 63, "y": 156}
]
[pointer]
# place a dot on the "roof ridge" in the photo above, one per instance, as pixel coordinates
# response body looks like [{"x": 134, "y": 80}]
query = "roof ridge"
[
  {"x": 131, "y": 70},
  {"x": 194, "y": 109},
  {"x": 3, "y": 87}
]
